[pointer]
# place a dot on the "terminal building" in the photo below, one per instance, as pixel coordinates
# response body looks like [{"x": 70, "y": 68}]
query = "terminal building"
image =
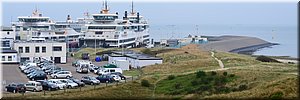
[
  {"x": 135, "y": 60},
  {"x": 30, "y": 50}
]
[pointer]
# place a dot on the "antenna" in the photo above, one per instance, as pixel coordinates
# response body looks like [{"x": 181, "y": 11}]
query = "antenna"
[{"x": 132, "y": 7}]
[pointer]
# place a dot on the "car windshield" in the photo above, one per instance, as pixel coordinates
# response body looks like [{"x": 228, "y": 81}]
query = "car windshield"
[
  {"x": 59, "y": 82},
  {"x": 70, "y": 81},
  {"x": 93, "y": 78}
]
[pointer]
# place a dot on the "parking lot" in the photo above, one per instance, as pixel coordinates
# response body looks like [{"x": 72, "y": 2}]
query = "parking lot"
[{"x": 12, "y": 73}]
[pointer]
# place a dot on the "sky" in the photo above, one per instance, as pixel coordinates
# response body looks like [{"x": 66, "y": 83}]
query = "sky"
[{"x": 166, "y": 13}]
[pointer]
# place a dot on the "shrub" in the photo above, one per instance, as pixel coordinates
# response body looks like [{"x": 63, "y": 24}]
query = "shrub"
[
  {"x": 277, "y": 95},
  {"x": 194, "y": 82},
  {"x": 243, "y": 87},
  {"x": 171, "y": 77},
  {"x": 200, "y": 74},
  {"x": 231, "y": 75},
  {"x": 177, "y": 86},
  {"x": 225, "y": 73},
  {"x": 147, "y": 51},
  {"x": 266, "y": 59},
  {"x": 145, "y": 83},
  {"x": 213, "y": 73}
]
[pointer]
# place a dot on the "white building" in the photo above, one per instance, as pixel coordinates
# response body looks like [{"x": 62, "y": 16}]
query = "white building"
[
  {"x": 8, "y": 36},
  {"x": 136, "y": 60},
  {"x": 9, "y": 56},
  {"x": 29, "y": 50}
]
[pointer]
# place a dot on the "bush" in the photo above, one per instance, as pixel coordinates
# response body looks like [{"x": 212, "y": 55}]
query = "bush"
[
  {"x": 200, "y": 74},
  {"x": 231, "y": 75},
  {"x": 177, "y": 86},
  {"x": 171, "y": 77},
  {"x": 145, "y": 83},
  {"x": 213, "y": 73},
  {"x": 277, "y": 95},
  {"x": 243, "y": 87},
  {"x": 147, "y": 51},
  {"x": 194, "y": 82},
  {"x": 266, "y": 59},
  {"x": 225, "y": 73}
]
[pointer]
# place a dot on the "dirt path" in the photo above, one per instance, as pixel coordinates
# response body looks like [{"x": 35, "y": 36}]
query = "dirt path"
[{"x": 219, "y": 61}]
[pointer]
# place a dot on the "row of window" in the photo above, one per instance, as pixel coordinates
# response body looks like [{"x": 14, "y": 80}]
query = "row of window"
[
  {"x": 145, "y": 36},
  {"x": 9, "y": 58},
  {"x": 37, "y": 49},
  {"x": 127, "y": 40}
]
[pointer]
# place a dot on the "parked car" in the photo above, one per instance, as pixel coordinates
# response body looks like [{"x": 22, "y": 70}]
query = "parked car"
[
  {"x": 69, "y": 83},
  {"x": 15, "y": 88},
  {"x": 78, "y": 82},
  {"x": 85, "y": 56},
  {"x": 33, "y": 86},
  {"x": 60, "y": 84},
  {"x": 48, "y": 85},
  {"x": 92, "y": 68},
  {"x": 82, "y": 68},
  {"x": 118, "y": 73},
  {"x": 116, "y": 77},
  {"x": 105, "y": 78},
  {"x": 38, "y": 76},
  {"x": 62, "y": 74},
  {"x": 90, "y": 80},
  {"x": 22, "y": 67}
]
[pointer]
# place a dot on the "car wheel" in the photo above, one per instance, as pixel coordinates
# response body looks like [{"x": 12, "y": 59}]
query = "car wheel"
[
  {"x": 49, "y": 89},
  {"x": 69, "y": 86},
  {"x": 92, "y": 83},
  {"x": 106, "y": 81},
  {"x": 55, "y": 76},
  {"x": 34, "y": 90},
  {"x": 68, "y": 77},
  {"x": 14, "y": 91}
]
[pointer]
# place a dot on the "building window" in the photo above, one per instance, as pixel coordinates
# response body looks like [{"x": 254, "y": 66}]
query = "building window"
[
  {"x": 57, "y": 48},
  {"x": 43, "y": 49},
  {"x": 98, "y": 32},
  {"x": 3, "y": 58},
  {"x": 9, "y": 58},
  {"x": 37, "y": 49},
  {"x": 20, "y": 49},
  {"x": 27, "y": 50},
  {"x": 5, "y": 43}
]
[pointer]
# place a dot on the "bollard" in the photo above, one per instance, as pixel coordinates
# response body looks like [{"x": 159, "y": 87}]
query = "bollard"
[
  {"x": 44, "y": 92},
  {"x": 106, "y": 84},
  {"x": 64, "y": 89},
  {"x": 79, "y": 88},
  {"x": 94, "y": 86},
  {"x": 131, "y": 78},
  {"x": 125, "y": 80},
  {"x": 117, "y": 83}
]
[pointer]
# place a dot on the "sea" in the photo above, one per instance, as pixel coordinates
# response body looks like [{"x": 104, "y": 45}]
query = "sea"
[{"x": 285, "y": 35}]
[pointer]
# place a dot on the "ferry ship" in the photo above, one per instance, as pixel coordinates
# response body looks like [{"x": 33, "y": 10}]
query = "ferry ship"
[{"x": 103, "y": 29}]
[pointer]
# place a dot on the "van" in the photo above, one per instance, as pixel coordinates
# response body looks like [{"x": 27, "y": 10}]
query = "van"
[
  {"x": 34, "y": 86},
  {"x": 105, "y": 71}
]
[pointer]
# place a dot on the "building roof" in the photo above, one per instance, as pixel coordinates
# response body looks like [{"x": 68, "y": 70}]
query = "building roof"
[
  {"x": 8, "y": 51},
  {"x": 134, "y": 55}
]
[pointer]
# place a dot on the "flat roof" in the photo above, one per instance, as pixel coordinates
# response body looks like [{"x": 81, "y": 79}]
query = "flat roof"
[
  {"x": 8, "y": 51},
  {"x": 134, "y": 55}
]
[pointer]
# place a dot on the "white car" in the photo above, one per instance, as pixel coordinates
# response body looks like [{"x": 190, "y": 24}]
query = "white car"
[
  {"x": 60, "y": 84},
  {"x": 69, "y": 83},
  {"x": 33, "y": 86},
  {"x": 62, "y": 74},
  {"x": 22, "y": 67},
  {"x": 116, "y": 77}
]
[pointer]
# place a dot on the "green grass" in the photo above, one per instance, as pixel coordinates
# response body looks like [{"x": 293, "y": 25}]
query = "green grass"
[{"x": 133, "y": 72}]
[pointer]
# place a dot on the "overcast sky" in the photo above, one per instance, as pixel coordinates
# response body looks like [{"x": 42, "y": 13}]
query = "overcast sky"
[{"x": 166, "y": 13}]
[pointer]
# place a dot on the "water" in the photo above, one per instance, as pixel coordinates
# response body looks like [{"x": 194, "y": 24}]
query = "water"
[{"x": 285, "y": 35}]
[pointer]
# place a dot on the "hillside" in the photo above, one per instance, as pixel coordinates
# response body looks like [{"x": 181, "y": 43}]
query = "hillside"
[{"x": 245, "y": 78}]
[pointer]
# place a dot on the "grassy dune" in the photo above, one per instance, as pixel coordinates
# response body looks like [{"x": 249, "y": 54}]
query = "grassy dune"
[{"x": 263, "y": 80}]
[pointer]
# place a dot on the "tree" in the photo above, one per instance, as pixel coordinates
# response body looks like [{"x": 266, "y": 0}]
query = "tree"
[
  {"x": 145, "y": 83},
  {"x": 225, "y": 73},
  {"x": 213, "y": 73}
]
